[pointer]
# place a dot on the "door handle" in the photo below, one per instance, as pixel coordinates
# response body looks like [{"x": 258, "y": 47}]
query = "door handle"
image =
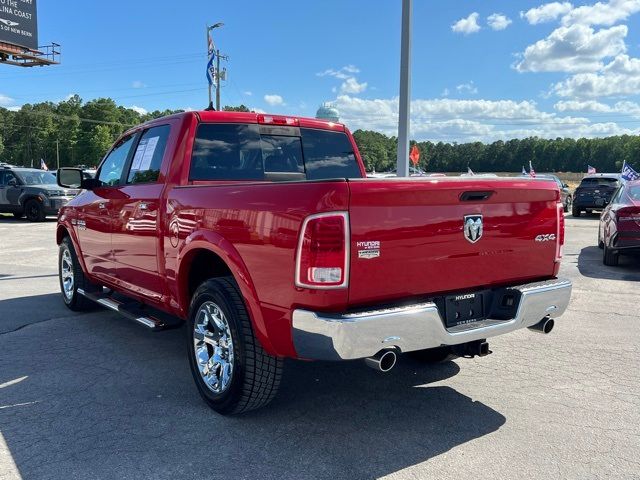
[
  {"x": 102, "y": 205},
  {"x": 143, "y": 206}
]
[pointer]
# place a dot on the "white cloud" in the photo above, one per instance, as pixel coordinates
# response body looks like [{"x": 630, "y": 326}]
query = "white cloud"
[
  {"x": 581, "y": 106},
  {"x": 602, "y": 13},
  {"x": 445, "y": 92},
  {"x": 467, "y": 120},
  {"x": 343, "y": 73},
  {"x": 577, "y": 48},
  {"x": 498, "y": 21},
  {"x": 469, "y": 88},
  {"x": 547, "y": 12},
  {"x": 467, "y": 25},
  {"x": 274, "y": 100},
  {"x": 138, "y": 84},
  {"x": 593, "y": 106},
  {"x": 5, "y": 101},
  {"x": 247, "y": 93},
  {"x": 620, "y": 77},
  {"x": 140, "y": 110},
  {"x": 351, "y": 86}
]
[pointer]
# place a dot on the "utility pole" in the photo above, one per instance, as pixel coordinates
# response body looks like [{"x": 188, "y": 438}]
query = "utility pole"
[
  {"x": 208, "y": 54},
  {"x": 216, "y": 74},
  {"x": 405, "y": 91},
  {"x": 218, "y": 80},
  {"x": 58, "y": 154}
]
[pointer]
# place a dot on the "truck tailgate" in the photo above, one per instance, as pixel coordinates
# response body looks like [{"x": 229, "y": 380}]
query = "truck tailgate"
[{"x": 408, "y": 235}]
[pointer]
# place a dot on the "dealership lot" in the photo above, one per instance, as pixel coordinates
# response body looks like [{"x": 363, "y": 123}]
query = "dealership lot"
[{"x": 94, "y": 396}]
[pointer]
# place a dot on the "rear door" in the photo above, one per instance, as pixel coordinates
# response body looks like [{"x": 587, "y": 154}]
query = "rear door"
[
  {"x": 135, "y": 212},
  {"x": 94, "y": 223},
  {"x": 415, "y": 237}
]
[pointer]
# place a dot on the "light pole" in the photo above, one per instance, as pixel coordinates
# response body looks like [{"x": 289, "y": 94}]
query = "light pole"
[
  {"x": 405, "y": 91},
  {"x": 211, "y": 50}
]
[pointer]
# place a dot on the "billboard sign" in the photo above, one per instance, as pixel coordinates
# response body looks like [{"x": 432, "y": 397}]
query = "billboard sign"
[{"x": 19, "y": 23}]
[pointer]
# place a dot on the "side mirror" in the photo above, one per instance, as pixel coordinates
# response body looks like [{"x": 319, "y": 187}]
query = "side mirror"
[
  {"x": 12, "y": 183},
  {"x": 564, "y": 185},
  {"x": 70, "y": 177}
]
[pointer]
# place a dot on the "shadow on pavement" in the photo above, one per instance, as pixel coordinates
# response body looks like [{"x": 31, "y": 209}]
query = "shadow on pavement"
[
  {"x": 16, "y": 313},
  {"x": 103, "y": 397},
  {"x": 590, "y": 265}
]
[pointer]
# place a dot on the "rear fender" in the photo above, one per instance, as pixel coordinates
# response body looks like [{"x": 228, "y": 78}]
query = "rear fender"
[{"x": 208, "y": 240}]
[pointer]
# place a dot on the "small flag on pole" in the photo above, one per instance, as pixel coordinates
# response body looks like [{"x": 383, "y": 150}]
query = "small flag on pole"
[
  {"x": 210, "y": 67},
  {"x": 532, "y": 172},
  {"x": 591, "y": 169},
  {"x": 524, "y": 172},
  {"x": 628, "y": 173},
  {"x": 43, "y": 166},
  {"x": 414, "y": 156}
]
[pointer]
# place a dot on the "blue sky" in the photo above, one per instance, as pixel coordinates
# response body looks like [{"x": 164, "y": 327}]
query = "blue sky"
[{"x": 482, "y": 70}]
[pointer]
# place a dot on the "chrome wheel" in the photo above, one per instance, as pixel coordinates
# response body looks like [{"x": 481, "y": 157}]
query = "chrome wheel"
[
  {"x": 66, "y": 273},
  {"x": 213, "y": 347}
]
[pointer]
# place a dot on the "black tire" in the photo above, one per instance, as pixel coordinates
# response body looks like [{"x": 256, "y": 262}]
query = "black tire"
[
  {"x": 600, "y": 242},
  {"x": 72, "y": 299},
  {"x": 575, "y": 212},
  {"x": 433, "y": 355},
  {"x": 610, "y": 257},
  {"x": 34, "y": 211},
  {"x": 256, "y": 375},
  {"x": 18, "y": 215}
]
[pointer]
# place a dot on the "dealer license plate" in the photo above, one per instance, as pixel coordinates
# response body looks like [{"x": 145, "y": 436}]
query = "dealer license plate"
[{"x": 464, "y": 308}]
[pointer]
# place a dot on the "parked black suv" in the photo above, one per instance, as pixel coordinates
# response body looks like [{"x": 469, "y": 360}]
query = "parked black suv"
[
  {"x": 594, "y": 192},
  {"x": 31, "y": 192}
]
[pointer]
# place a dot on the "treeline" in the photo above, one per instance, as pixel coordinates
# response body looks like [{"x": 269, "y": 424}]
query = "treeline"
[
  {"x": 83, "y": 131},
  {"x": 560, "y": 155}
]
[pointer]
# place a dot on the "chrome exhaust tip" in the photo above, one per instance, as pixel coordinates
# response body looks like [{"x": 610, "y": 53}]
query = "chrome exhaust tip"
[
  {"x": 383, "y": 361},
  {"x": 543, "y": 326}
]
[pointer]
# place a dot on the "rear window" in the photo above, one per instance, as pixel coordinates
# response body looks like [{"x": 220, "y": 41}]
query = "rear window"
[
  {"x": 255, "y": 152},
  {"x": 634, "y": 192},
  {"x": 599, "y": 182}
]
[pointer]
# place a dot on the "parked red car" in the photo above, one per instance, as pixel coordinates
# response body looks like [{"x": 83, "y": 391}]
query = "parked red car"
[
  {"x": 619, "y": 229},
  {"x": 263, "y": 234}
]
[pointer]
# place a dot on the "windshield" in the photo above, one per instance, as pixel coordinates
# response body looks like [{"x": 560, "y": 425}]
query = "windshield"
[{"x": 599, "y": 182}]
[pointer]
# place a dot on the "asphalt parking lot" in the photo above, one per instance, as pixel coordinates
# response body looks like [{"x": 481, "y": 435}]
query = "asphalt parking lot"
[{"x": 94, "y": 396}]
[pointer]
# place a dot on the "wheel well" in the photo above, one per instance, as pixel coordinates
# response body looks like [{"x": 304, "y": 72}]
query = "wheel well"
[
  {"x": 203, "y": 265},
  {"x": 61, "y": 233}
]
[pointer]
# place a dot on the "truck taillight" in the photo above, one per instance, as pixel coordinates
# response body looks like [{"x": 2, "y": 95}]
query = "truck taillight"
[
  {"x": 278, "y": 120},
  {"x": 322, "y": 258},
  {"x": 560, "y": 235}
]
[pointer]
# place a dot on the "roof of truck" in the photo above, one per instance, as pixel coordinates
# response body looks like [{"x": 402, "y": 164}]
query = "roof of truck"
[{"x": 214, "y": 116}]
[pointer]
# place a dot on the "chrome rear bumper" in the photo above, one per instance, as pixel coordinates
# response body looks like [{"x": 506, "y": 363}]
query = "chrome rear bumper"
[{"x": 321, "y": 336}]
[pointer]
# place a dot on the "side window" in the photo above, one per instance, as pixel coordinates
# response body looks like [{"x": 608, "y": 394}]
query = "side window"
[
  {"x": 226, "y": 152},
  {"x": 328, "y": 154},
  {"x": 111, "y": 169},
  {"x": 145, "y": 166},
  {"x": 6, "y": 177}
]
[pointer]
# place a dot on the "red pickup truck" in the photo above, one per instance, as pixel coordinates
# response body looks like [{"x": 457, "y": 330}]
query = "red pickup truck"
[{"x": 263, "y": 233}]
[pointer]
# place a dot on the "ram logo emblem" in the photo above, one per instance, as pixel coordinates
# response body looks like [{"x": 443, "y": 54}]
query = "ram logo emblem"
[{"x": 472, "y": 228}]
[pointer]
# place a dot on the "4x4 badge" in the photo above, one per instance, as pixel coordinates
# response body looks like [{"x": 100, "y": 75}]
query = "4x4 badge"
[{"x": 472, "y": 227}]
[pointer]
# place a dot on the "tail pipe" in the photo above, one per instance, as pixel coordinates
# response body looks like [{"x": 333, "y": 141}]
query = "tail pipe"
[
  {"x": 383, "y": 361},
  {"x": 543, "y": 326}
]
